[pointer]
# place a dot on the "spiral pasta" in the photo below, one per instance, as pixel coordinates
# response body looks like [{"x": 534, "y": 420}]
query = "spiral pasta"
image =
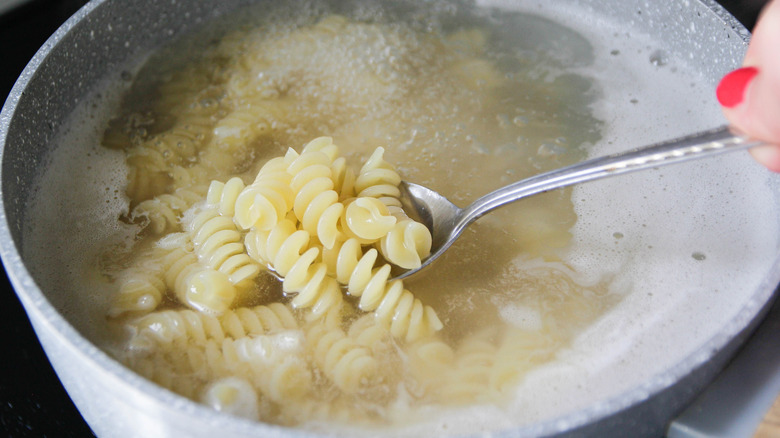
[
  {"x": 343, "y": 178},
  {"x": 236, "y": 134},
  {"x": 348, "y": 365},
  {"x": 287, "y": 250},
  {"x": 407, "y": 317},
  {"x": 300, "y": 218},
  {"x": 181, "y": 90},
  {"x": 408, "y": 242},
  {"x": 220, "y": 246},
  {"x": 347, "y": 257},
  {"x": 429, "y": 360},
  {"x": 150, "y": 163},
  {"x": 146, "y": 174},
  {"x": 266, "y": 201},
  {"x": 280, "y": 376},
  {"x": 262, "y": 344},
  {"x": 242, "y": 126},
  {"x": 163, "y": 213},
  {"x": 232, "y": 395},
  {"x": 196, "y": 285},
  {"x": 274, "y": 366},
  {"x": 159, "y": 369},
  {"x": 471, "y": 377},
  {"x": 316, "y": 204},
  {"x": 141, "y": 287},
  {"x": 366, "y": 219},
  {"x": 379, "y": 179},
  {"x": 169, "y": 326},
  {"x": 366, "y": 331},
  {"x": 208, "y": 290},
  {"x": 186, "y": 176},
  {"x": 223, "y": 195},
  {"x": 519, "y": 351},
  {"x": 144, "y": 285}
]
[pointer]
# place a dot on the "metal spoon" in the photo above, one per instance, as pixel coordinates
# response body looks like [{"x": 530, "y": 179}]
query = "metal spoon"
[{"x": 447, "y": 221}]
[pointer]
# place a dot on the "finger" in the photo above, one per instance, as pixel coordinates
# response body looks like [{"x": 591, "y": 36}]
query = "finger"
[
  {"x": 751, "y": 96},
  {"x": 769, "y": 156}
]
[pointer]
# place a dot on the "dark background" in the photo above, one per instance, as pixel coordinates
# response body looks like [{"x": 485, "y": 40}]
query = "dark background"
[{"x": 32, "y": 400}]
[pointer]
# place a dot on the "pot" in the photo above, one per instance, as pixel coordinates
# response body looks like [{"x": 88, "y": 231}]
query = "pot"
[{"x": 730, "y": 262}]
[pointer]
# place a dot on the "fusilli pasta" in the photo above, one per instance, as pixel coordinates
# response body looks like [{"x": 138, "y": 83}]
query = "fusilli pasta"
[
  {"x": 219, "y": 245},
  {"x": 169, "y": 326},
  {"x": 348, "y": 365},
  {"x": 266, "y": 201},
  {"x": 162, "y": 214}
]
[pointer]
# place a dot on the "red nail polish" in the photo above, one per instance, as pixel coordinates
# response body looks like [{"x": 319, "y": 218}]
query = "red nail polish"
[{"x": 731, "y": 89}]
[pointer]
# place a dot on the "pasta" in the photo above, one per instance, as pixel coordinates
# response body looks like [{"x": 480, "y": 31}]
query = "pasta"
[
  {"x": 405, "y": 316},
  {"x": 408, "y": 242},
  {"x": 207, "y": 290},
  {"x": 519, "y": 351},
  {"x": 158, "y": 369},
  {"x": 259, "y": 282},
  {"x": 287, "y": 250},
  {"x": 366, "y": 219},
  {"x": 378, "y": 179},
  {"x": 139, "y": 291},
  {"x": 235, "y": 134},
  {"x": 347, "y": 364},
  {"x": 147, "y": 173},
  {"x": 275, "y": 368},
  {"x": 366, "y": 331},
  {"x": 316, "y": 203},
  {"x": 233, "y": 395},
  {"x": 266, "y": 201},
  {"x": 474, "y": 363},
  {"x": 393, "y": 305},
  {"x": 346, "y": 257},
  {"x": 219, "y": 246},
  {"x": 162, "y": 214},
  {"x": 195, "y": 285},
  {"x": 429, "y": 360},
  {"x": 343, "y": 178},
  {"x": 143, "y": 286},
  {"x": 151, "y": 161},
  {"x": 224, "y": 195},
  {"x": 169, "y": 326}
]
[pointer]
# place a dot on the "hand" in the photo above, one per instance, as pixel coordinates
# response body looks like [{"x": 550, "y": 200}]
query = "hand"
[{"x": 750, "y": 96}]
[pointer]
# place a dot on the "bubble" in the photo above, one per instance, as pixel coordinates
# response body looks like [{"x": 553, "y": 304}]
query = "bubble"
[
  {"x": 658, "y": 58},
  {"x": 520, "y": 121}
]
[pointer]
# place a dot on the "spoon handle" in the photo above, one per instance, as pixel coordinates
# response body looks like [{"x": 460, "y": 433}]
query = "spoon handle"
[{"x": 708, "y": 143}]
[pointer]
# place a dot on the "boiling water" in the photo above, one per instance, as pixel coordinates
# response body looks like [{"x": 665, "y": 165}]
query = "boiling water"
[{"x": 464, "y": 101}]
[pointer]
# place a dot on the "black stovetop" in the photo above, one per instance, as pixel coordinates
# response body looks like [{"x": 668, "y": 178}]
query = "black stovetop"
[{"x": 33, "y": 402}]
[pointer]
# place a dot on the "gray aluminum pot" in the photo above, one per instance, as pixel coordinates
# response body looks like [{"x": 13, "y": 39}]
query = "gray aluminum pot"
[{"x": 100, "y": 39}]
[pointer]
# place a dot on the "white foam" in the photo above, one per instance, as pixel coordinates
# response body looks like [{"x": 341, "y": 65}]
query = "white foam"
[
  {"x": 74, "y": 214},
  {"x": 693, "y": 241}
]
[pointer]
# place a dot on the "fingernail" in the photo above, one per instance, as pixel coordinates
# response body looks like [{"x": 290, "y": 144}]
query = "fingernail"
[{"x": 731, "y": 89}]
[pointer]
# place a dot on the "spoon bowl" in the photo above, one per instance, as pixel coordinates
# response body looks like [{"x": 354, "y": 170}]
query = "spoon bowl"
[{"x": 446, "y": 221}]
